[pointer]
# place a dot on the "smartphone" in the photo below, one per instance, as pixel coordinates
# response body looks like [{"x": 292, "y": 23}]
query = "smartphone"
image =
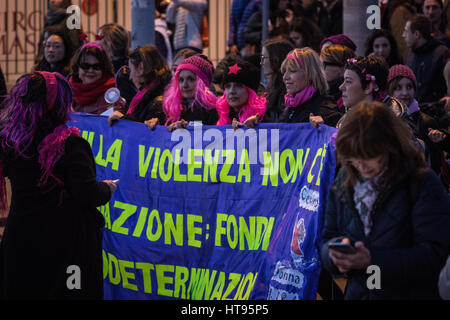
[
  {"x": 342, "y": 247},
  {"x": 116, "y": 181}
]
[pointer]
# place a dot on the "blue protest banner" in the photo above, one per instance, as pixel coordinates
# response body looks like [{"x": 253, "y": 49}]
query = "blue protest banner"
[{"x": 209, "y": 213}]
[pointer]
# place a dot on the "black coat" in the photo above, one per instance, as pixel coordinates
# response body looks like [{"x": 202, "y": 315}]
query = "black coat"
[
  {"x": 198, "y": 113},
  {"x": 149, "y": 107},
  {"x": 428, "y": 62},
  {"x": 409, "y": 239},
  {"x": 51, "y": 228},
  {"x": 319, "y": 105}
]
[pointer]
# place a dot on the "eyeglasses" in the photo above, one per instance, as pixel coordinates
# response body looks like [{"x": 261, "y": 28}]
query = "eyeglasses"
[{"x": 87, "y": 66}]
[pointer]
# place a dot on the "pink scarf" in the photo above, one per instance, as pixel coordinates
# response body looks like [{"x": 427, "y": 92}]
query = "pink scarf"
[
  {"x": 138, "y": 97},
  {"x": 51, "y": 150},
  {"x": 300, "y": 98}
]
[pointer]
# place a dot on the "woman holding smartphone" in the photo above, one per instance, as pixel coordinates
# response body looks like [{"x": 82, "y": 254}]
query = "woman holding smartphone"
[{"x": 392, "y": 208}]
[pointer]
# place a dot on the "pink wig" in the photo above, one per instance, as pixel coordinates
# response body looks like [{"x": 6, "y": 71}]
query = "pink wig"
[
  {"x": 172, "y": 99},
  {"x": 256, "y": 106}
]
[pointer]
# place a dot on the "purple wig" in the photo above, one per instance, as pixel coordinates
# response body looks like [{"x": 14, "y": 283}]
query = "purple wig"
[
  {"x": 172, "y": 99},
  {"x": 256, "y": 106},
  {"x": 26, "y": 109}
]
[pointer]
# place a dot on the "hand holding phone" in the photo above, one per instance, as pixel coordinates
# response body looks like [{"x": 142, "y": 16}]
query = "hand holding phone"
[{"x": 343, "y": 246}]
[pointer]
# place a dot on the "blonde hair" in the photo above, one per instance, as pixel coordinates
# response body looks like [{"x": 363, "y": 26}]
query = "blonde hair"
[{"x": 308, "y": 60}]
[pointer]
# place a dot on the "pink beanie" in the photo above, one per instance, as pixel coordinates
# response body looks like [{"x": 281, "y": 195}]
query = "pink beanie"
[
  {"x": 400, "y": 70},
  {"x": 200, "y": 65}
]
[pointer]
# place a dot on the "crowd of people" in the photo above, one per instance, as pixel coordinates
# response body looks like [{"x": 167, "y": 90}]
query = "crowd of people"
[{"x": 390, "y": 199}]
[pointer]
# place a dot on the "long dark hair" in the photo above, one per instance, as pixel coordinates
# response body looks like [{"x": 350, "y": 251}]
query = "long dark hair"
[
  {"x": 155, "y": 65},
  {"x": 62, "y": 66},
  {"x": 370, "y": 130},
  {"x": 394, "y": 57}
]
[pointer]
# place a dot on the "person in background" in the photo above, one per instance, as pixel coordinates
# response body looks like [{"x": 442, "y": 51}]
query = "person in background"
[
  {"x": 57, "y": 17},
  {"x": 304, "y": 32},
  {"x": 240, "y": 104},
  {"x": 334, "y": 58},
  {"x": 188, "y": 98},
  {"x": 187, "y": 15},
  {"x": 53, "y": 216},
  {"x": 388, "y": 206},
  {"x": 182, "y": 55},
  {"x": 402, "y": 85},
  {"x": 115, "y": 41},
  {"x": 151, "y": 74},
  {"x": 382, "y": 43},
  {"x": 329, "y": 16},
  {"x": 92, "y": 75},
  {"x": 57, "y": 52},
  {"x": 434, "y": 10},
  {"x": 428, "y": 59},
  {"x": 306, "y": 87},
  {"x": 273, "y": 54},
  {"x": 341, "y": 39}
]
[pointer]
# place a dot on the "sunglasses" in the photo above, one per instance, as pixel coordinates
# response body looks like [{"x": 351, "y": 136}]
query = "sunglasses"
[{"x": 87, "y": 66}]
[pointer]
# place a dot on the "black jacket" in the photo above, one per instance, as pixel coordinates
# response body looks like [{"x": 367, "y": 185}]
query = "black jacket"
[
  {"x": 149, "y": 107},
  {"x": 319, "y": 105},
  {"x": 409, "y": 239},
  {"x": 198, "y": 113},
  {"x": 428, "y": 62},
  {"x": 51, "y": 228}
]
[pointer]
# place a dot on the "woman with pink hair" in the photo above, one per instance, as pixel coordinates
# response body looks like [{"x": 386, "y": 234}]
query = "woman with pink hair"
[
  {"x": 188, "y": 97},
  {"x": 53, "y": 223},
  {"x": 240, "y": 104}
]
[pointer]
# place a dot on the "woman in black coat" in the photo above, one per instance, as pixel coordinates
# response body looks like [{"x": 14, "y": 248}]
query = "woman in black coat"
[
  {"x": 151, "y": 74},
  {"x": 306, "y": 85},
  {"x": 389, "y": 206},
  {"x": 52, "y": 243}
]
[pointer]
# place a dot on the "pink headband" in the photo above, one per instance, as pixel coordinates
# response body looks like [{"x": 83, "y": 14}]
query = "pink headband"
[
  {"x": 89, "y": 44},
  {"x": 199, "y": 73},
  {"x": 295, "y": 57},
  {"x": 51, "y": 85}
]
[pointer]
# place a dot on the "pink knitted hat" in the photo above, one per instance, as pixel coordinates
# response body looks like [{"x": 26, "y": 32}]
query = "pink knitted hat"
[
  {"x": 400, "y": 70},
  {"x": 200, "y": 65}
]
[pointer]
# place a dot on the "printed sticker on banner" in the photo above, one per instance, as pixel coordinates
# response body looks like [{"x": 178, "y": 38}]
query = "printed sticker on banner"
[
  {"x": 279, "y": 294},
  {"x": 309, "y": 199},
  {"x": 298, "y": 237},
  {"x": 286, "y": 275}
]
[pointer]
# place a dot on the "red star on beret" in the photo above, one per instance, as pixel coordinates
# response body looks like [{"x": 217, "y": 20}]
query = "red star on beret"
[{"x": 234, "y": 69}]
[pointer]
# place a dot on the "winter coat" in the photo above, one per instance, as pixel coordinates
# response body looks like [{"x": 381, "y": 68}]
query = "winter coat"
[
  {"x": 428, "y": 62},
  {"x": 54, "y": 227},
  {"x": 198, "y": 113},
  {"x": 193, "y": 24},
  {"x": 126, "y": 87},
  {"x": 319, "y": 105},
  {"x": 149, "y": 107},
  {"x": 409, "y": 240}
]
